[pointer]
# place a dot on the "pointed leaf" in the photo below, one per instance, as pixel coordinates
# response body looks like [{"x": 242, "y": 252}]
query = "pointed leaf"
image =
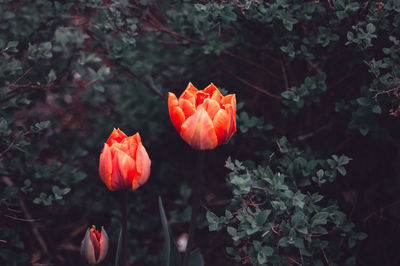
[
  {"x": 164, "y": 223},
  {"x": 196, "y": 259},
  {"x": 118, "y": 256},
  {"x": 171, "y": 253}
]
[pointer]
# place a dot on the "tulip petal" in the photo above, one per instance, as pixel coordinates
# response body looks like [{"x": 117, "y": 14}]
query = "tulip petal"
[
  {"x": 116, "y": 136},
  {"x": 198, "y": 131},
  {"x": 103, "y": 245},
  {"x": 200, "y": 97},
  {"x": 211, "y": 106},
  {"x": 229, "y": 103},
  {"x": 221, "y": 123},
  {"x": 87, "y": 250},
  {"x": 95, "y": 242},
  {"x": 187, "y": 107},
  {"x": 123, "y": 170},
  {"x": 130, "y": 145},
  {"x": 213, "y": 91},
  {"x": 105, "y": 165},
  {"x": 143, "y": 164},
  {"x": 232, "y": 125},
  {"x": 189, "y": 93},
  {"x": 230, "y": 99},
  {"x": 175, "y": 112}
]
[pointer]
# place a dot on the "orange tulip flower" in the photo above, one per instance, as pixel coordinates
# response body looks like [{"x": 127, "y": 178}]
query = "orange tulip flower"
[
  {"x": 124, "y": 162},
  {"x": 205, "y": 118},
  {"x": 94, "y": 246}
]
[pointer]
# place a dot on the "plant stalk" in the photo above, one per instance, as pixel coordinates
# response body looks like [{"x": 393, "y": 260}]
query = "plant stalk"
[
  {"x": 124, "y": 224},
  {"x": 195, "y": 205}
]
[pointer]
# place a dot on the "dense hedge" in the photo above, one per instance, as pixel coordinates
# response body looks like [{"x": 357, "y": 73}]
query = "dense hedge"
[{"x": 312, "y": 169}]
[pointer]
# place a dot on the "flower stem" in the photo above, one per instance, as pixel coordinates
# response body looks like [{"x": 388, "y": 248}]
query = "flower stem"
[
  {"x": 195, "y": 206},
  {"x": 124, "y": 224}
]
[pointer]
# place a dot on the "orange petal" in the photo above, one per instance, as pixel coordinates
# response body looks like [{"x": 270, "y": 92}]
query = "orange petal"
[
  {"x": 230, "y": 99},
  {"x": 225, "y": 124},
  {"x": 130, "y": 144},
  {"x": 229, "y": 102},
  {"x": 198, "y": 131},
  {"x": 143, "y": 164},
  {"x": 216, "y": 96},
  {"x": 175, "y": 112},
  {"x": 232, "y": 127},
  {"x": 116, "y": 136},
  {"x": 123, "y": 170},
  {"x": 105, "y": 166},
  {"x": 200, "y": 97},
  {"x": 213, "y": 91},
  {"x": 210, "y": 106},
  {"x": 189, "y": 93},
  {"x": 187, "y": 107},
  {"x": 221, "y": 123}
]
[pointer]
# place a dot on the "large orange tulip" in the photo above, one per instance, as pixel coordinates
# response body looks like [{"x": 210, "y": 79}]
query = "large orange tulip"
[
  {"x": 94, "y": 246},
  {"x": 124, "y": 162},
  {"x": 203, "y": 118}
]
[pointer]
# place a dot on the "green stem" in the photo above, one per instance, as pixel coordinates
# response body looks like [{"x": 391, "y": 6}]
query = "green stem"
[
  {"x": 195, "y": 206},
  {"x": 124, "y": 224}
]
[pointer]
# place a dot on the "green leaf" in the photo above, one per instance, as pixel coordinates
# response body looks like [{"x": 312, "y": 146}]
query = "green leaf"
[
  {"x": 283, "y": 242},
  {"x": 261, "y": 217},
  {"x": 118, "y": 256},
  {"x": 342, "y": 170},
  {"x": 371, "y": 28},
  {"x": 363, "y": 101},
  {"x": 171, "y": 253},
  {"x": 196, "y": 259},
  {"x": 364, "y": 130},
  {"x": 12, "y": 44},
  {"x": 376, "y": 109},
  {"x": 231, "y": 230},
  {"x": 8, "y": 15},
  {"x": 361, "y": 236},
  {"x": 319, "y": 218}
]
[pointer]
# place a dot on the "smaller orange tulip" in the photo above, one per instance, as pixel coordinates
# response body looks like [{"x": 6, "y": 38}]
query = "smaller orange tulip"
[
  {"x": 124, "y": 162},
  {"x": 205, "y": 118},
  {"x": 94, "y": 246}
]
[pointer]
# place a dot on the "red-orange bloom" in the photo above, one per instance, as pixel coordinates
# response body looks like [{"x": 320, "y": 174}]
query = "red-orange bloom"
[
  {"x": 203, "y": 118},
  {"x": 124, "y": 162},
  {"x": 94, "y": 246}
]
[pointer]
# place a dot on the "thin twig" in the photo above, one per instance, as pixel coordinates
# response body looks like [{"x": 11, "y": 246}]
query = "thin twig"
[
  {"x": 385, "y": 92},
  {"x": 13, "y": 143},
  {"x": 278, "y": 97},
  {"x": 294, "y": 261},
  {"x": 312, "y": 133},
  {"x": 284, "y": 75},
  {"x": 148, "y": 85},
  {"x": 247, "y": 61},
  {"x": 20, "y": 219},
  {"x": 391, "y": 205},
  {"x": 323, "y": 252},
  {"x": 35, "y": 230},
  {"x": 23, "y": 75}
]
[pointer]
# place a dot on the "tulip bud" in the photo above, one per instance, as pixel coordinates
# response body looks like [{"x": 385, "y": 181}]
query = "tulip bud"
[
  {"x": 124, "y": 162},
  {"x": 94, "y": 246},
  {"x": 205, "y": 118}
]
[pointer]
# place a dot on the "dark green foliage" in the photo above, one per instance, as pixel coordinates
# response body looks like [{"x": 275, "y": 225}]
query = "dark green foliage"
[
  {"x": 321, "y": 75},
  {"x": 271, "y": 220}
]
